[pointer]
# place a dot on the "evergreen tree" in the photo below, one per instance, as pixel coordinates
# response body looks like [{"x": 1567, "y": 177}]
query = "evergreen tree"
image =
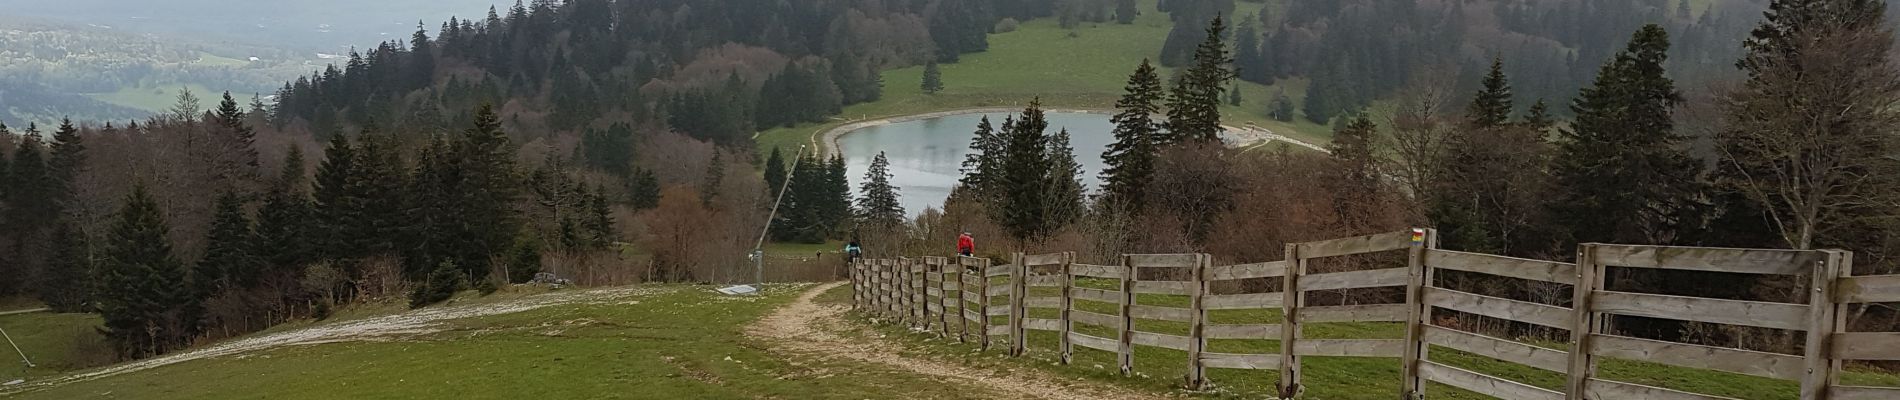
[
  {"x": 1628, "y": 173},
  {"x": 609, "y": 149},
  {"x": 64, "y": 286},
  {"x": 230, "y": 261},
  {"x": 982, "y": 165},
  {"x": 1492, "y": 106},
  {"x": 643, "y": 190},
  {"x": 143, "y": 290},
  {"x": 1281, "y": 109},
  {"x": 67, "y": 159},
  {"x": 1352, "y": 148},
  {"x": 933, "y": 78},
  {"x": 524, "y": 261},
  {"x": 444, "y": 280},
  {"x": 877, "y": 200},
  {"x": 837, "y": 180},
  {"x": 774, "y": 173},
  {"x": 1538, "y": 117},
  {"x": 1130, "y": 160},
  {"x": 1194, "y": 104},
  {"x": 488, "y": 188},
  {"x": 336, "y": 207},
  {"x": 1126, "y": 11},
  {"x": 600, "y": 221},
  {"x": 715, "y": 173},
  {"x": 1020, "y": 201},
  {"x": 1250, "y": 63},
  {"x": 1063, "y": 185},
  {"x": 243, "y": 138},
  {"x": 284, "y": 222}
]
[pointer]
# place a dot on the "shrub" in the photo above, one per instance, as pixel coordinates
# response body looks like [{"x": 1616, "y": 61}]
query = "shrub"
[
  {"x": 1007, "y": 25},
  {"x": 443, "y": 282}
]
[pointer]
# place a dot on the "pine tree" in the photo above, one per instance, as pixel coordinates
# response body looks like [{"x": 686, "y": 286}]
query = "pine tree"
[
  {"x": 1627, "y": 171},
  {"x": 1352, "y": 148},
  {"x": 600, "y": 221},
  {"x": 1492, "y": 106},
  {"x": 1063, "y": 183},
  {"x": 1282, "y": 108},
  {"x": 1250, "y": 63},
  {"x": 488, "y": 188},
  {"x": 1194, "y": 104},
  {"x": 837, "y": 195},
  {"x": 444, "y": 280},
  {"x": 715, "y": 174},
  {"x": 230, "y": 261},
  {"x": 981, "y": 165},
  {"x": 1020, "y": 201},
  {"x": 1130, "y": 160},
  {"x": 243, "y": 138},
  {"x": 284, "y": 222},
  {"x": 336, "y": 207},
  {"x": 67, "y": 159},
  {"x": 774, "y": 173},
  {"x": 1538, "y": 117},
  {"x": 933, "y": 78},
  {"x": 1126, "y": 11},
  {"x": 877, "y": 199},
  {"x": 143, "y": 289},
  {"x": 64, "y": 286},
  {"x": 643, "y": 190}
]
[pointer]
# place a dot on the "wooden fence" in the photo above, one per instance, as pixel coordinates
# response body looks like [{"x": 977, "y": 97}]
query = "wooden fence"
[{"x": 966, "y": 297}]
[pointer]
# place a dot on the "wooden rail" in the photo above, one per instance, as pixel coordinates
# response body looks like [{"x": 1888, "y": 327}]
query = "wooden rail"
[{"x": 973, "y": 299}]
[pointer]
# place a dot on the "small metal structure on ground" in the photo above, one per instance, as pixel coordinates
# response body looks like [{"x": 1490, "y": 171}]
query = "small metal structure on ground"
[{"x": 739, "y": 290}]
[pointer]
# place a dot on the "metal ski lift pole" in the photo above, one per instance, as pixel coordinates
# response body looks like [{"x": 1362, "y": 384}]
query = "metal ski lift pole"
[
  {"x": 758, "y": 249},
  {"x": 16, "y": 349}
]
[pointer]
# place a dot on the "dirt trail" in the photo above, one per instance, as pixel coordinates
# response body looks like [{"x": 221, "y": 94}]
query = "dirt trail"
[
  {"x": 383, "y": 328},
  {"x": 810, "y": 329}
]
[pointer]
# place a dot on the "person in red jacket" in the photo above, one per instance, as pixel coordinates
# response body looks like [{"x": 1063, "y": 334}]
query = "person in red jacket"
[{"x": 966, "y": 245}]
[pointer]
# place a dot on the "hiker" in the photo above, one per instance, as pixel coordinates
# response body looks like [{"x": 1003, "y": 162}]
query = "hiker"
[
  {"x": 966, "y": 245},
  {"x": 852, "y": 251}
]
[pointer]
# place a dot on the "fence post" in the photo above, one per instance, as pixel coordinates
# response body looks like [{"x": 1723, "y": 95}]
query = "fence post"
[
  {"x": 1019, "y": 288},
  {"x": 890, "y": 287},
  {"x": 1824, "y": 319},
  {"x": 1413, "y": 387},
  {"x": 1197, "y": 326},
  {"x": 1586, "y": 322},
  {"x": 1068, "y": 302},
  {"x": 943, "y": 294},
  {"x": 963, "y": 301},
  {"x": 1126, "y": 352},
  {"x": 919, "y": 311},
  {"x": 983, "y": 300},
  {"x": 1290, "y": 328},
  {"x": 902, "y": 288}
]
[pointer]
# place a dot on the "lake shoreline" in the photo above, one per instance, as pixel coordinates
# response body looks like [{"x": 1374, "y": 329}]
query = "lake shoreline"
[{"x": 829, "y": 138}]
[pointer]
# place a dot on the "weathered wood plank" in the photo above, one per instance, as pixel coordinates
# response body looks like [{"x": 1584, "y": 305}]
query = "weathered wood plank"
[
  {"x": 1521, "y": 268},
  {"x": 1509, "y": 351},
  {"x": 1613, "y": 390},
  {"x": 1484, "y": 384},
  {"x": 1043, "y": 324},
  {"x": 1097, "y": 319},
  {"x": 1747, "y": 261},
  {"x": 1246, "y": 271},
  {"x": 1162, "y": 287},
  {"x": 1349, "y": 347},
  {"x": 997, "y": 311},
  {"x": 999, "y": 330},
  {"x": 1045, "y": 281},
  {"x": 1042, "y": 302},
  {"x": 1036, "y": 260},
  {"x": 1866, "y": 345},
  {"x": 953, "y": 286},
  {"x": 1720, "y": 311},
  {"x": 1161, "y": 340},
  {"x": 1242, "y": 301},
  {"x": 1161, "y": 313},
  {"x": 1356, "y": 279},
  {"x": 999, "y": 290},
  {"x": 1098, "y": 271},
  {"x": 1108, "y": 345},
  {"x": 1000, "y": 270},
  {"x": 1356, "y": 245},
  {"x": 1359, "y": 313},
  {"x": 1096, "y": 295},
  {"x": 1240, "y": 361},
  {"x": 1244, "y": 331},
  {"x": 1164, "y": 260},
  {"x": 933, "y": 292},
  {"x": 1762, "y": 364},
  {"x": 1862, "y": 393},
  {"x": 1497, "y": 307},
  {"x": 1868, "y": 289},
  {"x": 933, "y": 308},
  {"x": 972, "y": 315}
]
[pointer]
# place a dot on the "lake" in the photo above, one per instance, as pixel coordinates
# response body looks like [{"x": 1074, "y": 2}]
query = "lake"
[{"x": 926, "y": 154}]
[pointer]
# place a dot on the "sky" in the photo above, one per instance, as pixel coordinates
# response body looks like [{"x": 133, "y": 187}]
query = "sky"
[{"x": 327, "y": 26}]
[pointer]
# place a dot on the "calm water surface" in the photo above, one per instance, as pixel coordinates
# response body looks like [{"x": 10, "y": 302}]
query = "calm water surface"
[{"x": 926, "y": 154}]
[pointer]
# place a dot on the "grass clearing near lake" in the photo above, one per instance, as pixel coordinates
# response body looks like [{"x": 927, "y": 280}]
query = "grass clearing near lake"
[{"x": 1085, "y": 67}]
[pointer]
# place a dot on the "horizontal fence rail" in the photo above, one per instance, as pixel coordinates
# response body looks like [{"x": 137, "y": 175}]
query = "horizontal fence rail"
[{"x": 976, "y": 299}]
